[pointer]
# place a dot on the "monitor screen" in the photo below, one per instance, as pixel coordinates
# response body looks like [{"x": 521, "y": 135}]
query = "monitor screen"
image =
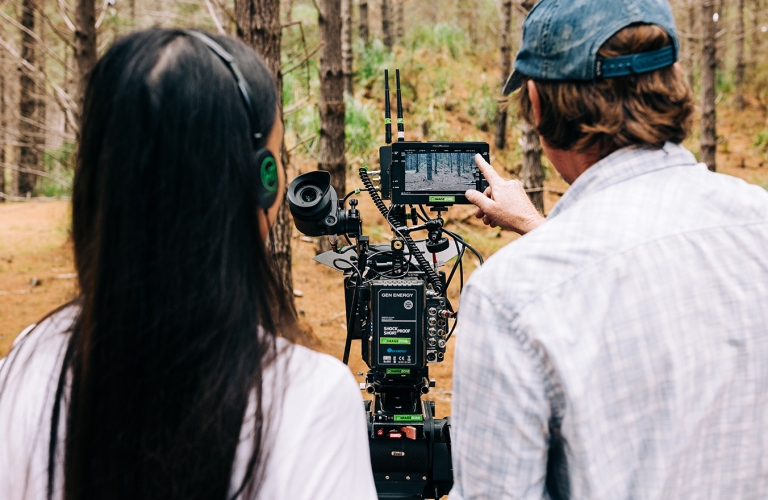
[{"x": 434, "y": 171}]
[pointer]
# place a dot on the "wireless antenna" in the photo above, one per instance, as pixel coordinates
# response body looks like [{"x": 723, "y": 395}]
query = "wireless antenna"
[
  {"x": 387, "y": 110},
  {"x": 400, "y": 125}
]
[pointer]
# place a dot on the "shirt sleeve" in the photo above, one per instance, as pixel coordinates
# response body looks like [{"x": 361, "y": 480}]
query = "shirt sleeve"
[{"x": 500, "y": 413}]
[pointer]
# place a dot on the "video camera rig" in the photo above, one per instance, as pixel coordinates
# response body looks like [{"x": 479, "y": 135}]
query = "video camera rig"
[{"x": 396, "y": 295}]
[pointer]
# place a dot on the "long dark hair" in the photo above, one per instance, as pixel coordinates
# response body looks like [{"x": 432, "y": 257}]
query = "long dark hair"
[{"x": 175, "y": 280}]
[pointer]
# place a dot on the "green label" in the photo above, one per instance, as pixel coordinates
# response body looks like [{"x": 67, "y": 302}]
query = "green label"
[
  {"x": 408, "y": 418},
  {"x": 395, "y": 340},
  {"x": 442, "y": 199},
  {"x": 399, "y": 120},
  {"x": 398, "y": 371},
  {"x": 387, "y": 120}
]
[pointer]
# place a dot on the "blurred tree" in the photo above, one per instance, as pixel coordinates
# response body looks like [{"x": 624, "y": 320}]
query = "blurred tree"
[
  {"x": 29, "y": 128},
  {"x": 386, "y": 24},
  {"x": 692, "y": 45},
  {"x": 708, "y": 65},
  {"x": 346, "y": 45},
  {"x": 757, "y": 6},
  {"x": 739, "y": 97},
  {"x": 3, "y": 125},
  {"x": 86, "y": 51},
  {"x": 258, "y": 25},
  {"x": 363, "y": 28},
  {"x": 332, "y": 95},
  {"x": 505, "y": 35},
  {"x": 399, "y": 19},
  {"x": 532, "y": 172}
]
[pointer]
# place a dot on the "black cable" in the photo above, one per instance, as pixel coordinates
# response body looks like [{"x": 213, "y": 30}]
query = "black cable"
[
  {"x": 352, "y": 312},
  {"x": 430, "y": 273},
  {"x": 471, "y": 248}
]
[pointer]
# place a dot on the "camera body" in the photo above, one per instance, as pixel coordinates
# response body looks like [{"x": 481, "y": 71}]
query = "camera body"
[{"x": 396, "y": 296}]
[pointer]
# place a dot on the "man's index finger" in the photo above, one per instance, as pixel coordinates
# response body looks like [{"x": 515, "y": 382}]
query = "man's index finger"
[{"x": 488, "y": 172}]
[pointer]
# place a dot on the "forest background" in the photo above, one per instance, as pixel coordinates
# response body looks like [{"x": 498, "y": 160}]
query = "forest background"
[{"x": 328, "y": 57}]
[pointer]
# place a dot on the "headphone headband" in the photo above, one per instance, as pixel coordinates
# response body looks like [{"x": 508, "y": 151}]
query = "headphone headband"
[
  {"x": 263, "y": 160},
  {"x": 230, "y": 62}
]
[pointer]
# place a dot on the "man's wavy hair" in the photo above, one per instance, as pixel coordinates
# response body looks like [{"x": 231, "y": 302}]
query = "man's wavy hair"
[{"x": 648, "y": 109}]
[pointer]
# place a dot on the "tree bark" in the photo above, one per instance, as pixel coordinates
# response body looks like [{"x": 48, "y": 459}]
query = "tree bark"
[
  {"x": 400, "y": 19},
  {"x": 708, "y": 65},
  {"x": 86, "y": 52},
  {"x": 691, "y": 44},
  {"x": 346, "y": 45},
  {"x": 386, "y": 24},
  {"x": 532, "y": 174},
  {"x": 757, "y": 6},
  {"x": 258, "y": 26},
  {"x": 332, "y": 96},
  {"x": 3, "y": 125},
  {"x": 506, "y": 65},
  {"x": 363, "y": 28},
  {"x": 739, "y": 97},
  {"x": 29, "y": 130}
]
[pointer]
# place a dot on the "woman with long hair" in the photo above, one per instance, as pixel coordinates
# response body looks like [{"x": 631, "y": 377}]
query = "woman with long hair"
[{"x": 175, "y": 373}]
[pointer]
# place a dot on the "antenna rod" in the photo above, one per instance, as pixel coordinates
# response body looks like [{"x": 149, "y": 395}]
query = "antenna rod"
[
  {"x": 400, "y": 125},
  {"x": 387, "y": 110}
]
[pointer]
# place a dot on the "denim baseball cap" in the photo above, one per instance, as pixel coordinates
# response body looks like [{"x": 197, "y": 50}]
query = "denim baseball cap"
[{"x": 561, "y": 39}]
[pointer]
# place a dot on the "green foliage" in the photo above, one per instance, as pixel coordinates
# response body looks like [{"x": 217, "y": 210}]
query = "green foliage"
[
  {"x": 483, "y": 107},
  {"x": 724, "y": 82},
  {"x": 440, "y": 37},
  {"x": 359, "y": 126},
  {"x": 60, "y": 165},
  {"x": 761, "y": 140},
  {"x": 372, "y": 61}
]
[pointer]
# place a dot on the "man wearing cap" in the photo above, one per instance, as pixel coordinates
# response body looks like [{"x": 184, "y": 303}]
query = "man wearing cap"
[{"x": 620, "y": 348}]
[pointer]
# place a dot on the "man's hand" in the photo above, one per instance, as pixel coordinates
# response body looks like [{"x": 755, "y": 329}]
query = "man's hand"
[{"x": 504, "y": 203}]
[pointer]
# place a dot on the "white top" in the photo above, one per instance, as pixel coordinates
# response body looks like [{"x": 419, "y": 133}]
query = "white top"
[{"x": 318, "y": 450}]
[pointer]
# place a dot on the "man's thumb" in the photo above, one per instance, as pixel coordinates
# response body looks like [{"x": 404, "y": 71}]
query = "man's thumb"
[{"x": 479, "y": 200}]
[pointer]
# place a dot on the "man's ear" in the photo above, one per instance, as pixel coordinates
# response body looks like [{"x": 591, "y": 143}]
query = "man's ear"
[{"x": 533, "y": 95}]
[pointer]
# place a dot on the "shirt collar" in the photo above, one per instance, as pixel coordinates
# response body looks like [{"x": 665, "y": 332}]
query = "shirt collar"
[{"x": 620, "y": 166}]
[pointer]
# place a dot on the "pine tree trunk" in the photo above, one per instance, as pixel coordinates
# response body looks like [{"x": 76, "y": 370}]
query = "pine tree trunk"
[
  {"x": 757, "y": 6},
  {"x": 400, "y": 19},
  {"x": 532, "y": 174},
  {"x": 289, "y": 11},
  {"x": 332, "y": 96},
  {"x": 386, "y": 23},
  {"x": 739, "y": 97},
  {"x": 708, "y": 65},
  {"x": 346, "y": 45},
  {"x": 28, "y": 158},
  {"x": 258, "y": 26},
  {"x": 40, "y": 107},
  {"x": 691, "y": 44},
  {"x": 85, "y": 47},
  {"x": 3, "y": 125},
  {"x": 506, "y": 65},
  {"x": 363, "y": 28}
]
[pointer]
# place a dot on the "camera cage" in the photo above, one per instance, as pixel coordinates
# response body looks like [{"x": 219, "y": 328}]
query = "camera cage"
[{"x": 397, "y": 305}]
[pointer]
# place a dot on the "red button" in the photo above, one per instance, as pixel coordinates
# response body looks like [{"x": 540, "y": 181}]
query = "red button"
[{"x": 380, "y": 432}]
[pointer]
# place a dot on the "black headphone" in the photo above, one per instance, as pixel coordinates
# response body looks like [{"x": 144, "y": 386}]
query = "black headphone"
[{"x": 263, "y": 159}]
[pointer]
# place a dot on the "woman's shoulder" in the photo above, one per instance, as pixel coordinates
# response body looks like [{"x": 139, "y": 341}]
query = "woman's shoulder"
[
  {"x": 41, "y": 346},
  {"x": 312, "y": 371}
]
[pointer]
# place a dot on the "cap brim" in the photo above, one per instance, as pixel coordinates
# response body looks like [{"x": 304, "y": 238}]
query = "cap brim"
[{"x": 514, "y": 82}]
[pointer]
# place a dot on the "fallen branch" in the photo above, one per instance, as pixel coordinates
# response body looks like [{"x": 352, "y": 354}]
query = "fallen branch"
[{"x": 34, "y": 198}]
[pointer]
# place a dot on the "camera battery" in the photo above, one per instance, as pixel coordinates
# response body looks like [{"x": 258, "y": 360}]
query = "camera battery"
[{"x": 398, "y": 323}]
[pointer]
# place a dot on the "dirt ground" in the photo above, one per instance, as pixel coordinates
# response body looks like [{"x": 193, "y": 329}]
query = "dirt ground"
[{"x": 37, "y": 272}]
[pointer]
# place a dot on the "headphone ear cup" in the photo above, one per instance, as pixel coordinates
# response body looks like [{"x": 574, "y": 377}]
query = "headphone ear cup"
[{"x": 266, "y": 183}]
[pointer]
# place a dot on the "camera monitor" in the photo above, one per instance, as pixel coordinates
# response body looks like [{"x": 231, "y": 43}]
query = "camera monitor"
[{"x": 435, "y": 173}]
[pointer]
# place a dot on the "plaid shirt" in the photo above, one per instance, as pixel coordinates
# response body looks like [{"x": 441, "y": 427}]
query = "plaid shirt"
[{"x": 628, "y": 336}]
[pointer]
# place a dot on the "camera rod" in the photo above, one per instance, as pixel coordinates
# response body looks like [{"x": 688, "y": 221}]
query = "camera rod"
[
  {"x": 387, "y": 110},
  {"x": 400, "y": 123}
]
